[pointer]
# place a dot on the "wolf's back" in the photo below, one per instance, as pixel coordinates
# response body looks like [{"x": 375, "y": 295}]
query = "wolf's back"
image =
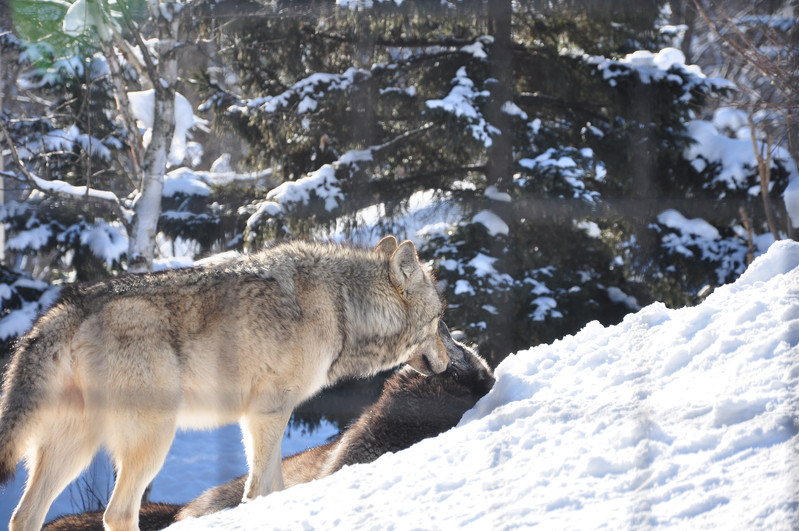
[
  {"x": 152, "y": 516},
  {"x": 29, "y": 378}
]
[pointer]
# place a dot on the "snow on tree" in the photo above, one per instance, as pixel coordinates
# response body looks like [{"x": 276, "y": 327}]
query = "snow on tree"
[
  {"x": 551, "y": 160},
  {"x": 754, "y": 45},
  {"x": 564, "y": 139},
  {"x": 104, "y": 149}
]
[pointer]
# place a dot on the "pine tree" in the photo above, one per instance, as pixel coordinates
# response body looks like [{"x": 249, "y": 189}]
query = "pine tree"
[{"x": 554, "y": 149}]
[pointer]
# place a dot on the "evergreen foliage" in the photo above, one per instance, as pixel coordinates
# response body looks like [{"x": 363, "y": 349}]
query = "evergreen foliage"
[
  {"x": 546, "y": 156},
  {"x": 556, "y": 142}
]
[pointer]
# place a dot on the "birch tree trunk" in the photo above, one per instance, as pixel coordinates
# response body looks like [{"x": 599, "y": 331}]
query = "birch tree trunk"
[{"x": 147, "y": 208}]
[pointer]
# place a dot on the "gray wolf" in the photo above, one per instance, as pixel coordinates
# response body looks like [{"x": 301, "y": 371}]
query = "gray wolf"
[
  {"x": 411, "y": 408},
  {"x": 123, "y": 363}
]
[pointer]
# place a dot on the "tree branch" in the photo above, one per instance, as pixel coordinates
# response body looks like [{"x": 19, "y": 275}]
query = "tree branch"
[
  {"x": 764, "y": 156},
  {"x": 63, "y": 189},
  {"x": 152, "y": 71}
]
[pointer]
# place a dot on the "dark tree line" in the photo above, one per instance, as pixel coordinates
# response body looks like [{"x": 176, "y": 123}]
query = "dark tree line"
[{"x": 542, "y": 154}]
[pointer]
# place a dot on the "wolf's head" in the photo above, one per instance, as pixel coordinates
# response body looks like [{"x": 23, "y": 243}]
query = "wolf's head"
[
  {"x": 466, "y": 366},
  {"x": 423, "y": 305}
]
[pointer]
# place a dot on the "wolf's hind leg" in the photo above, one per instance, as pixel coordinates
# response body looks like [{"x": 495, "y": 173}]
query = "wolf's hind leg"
[
  {"x": 64, "y": 451},
  {"x": 262, "y": 436},
  {"x": 139, "y": 450}
]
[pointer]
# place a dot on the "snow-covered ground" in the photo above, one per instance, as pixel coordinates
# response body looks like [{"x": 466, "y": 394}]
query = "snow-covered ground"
[
  {"x": 683, "y": 418},
  {"x": 673, "y": 418}
]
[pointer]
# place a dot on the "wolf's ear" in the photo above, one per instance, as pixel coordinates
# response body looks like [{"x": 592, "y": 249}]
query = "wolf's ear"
[
  {"x": 457, "y": 357},
  {"x": 387, "y": 246},
  {"x": 404, "y": 269},
  {"x": 443, "y": 331}
]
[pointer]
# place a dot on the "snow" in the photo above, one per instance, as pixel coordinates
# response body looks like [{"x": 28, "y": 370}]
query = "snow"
[
  {"x": 66, "y": 140},
  {"x": 726, "y": 118},
  {"x": 563, "y": 163},
  {"x": 791, "y": 199},
  {"x": 354, "y": 156},
  {"x": 172, "y": 262},
  {"x": 619, "y": 297},
  {"x": 34, "y": 238},
  {"x": 545, "y": 307},
  {"x": 142, "y": 105},
  {"x": 668, "y": 63},
  {"x": 483, "y": 265},
  {"x": 184, "y": 181},
  {"x": 461, "y": 102},
  {"x": 265, "y": 208},
  {"x": 305, "y": 92},
  {"x": 108, "y": 241},
  {"x": 217, "y": 457},
  {"x": 492, "y": 222},
  {"x": 81, "y": 17},
  {"x": 674, "y": 418},
  {"x": 696, "y": 227},
  {"x": 547, "y": 159},
  {"x": 697, "y": 238},
  {"x": 214, "y": 178},
  {"x": 65, "y": 189},
  {"x": 463, "y": 286},
  {"x": 492, "y": 192},
  {"x": 322, "y": 183},
  {"x": 736, "y": 156},
  {"x": 222, "y": 164},
  {"x": 679, "y": 419},
  {"x": 307, "y": 104},
  {"x": 17, "y": 322},
  {"x": 590, "y": 228},
  {"x": 426, "y": 214},
  {"x": 477, "y": 48}
]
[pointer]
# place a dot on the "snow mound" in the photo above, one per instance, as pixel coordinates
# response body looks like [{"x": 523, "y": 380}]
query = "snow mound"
[{"x": 673, "y": 418}]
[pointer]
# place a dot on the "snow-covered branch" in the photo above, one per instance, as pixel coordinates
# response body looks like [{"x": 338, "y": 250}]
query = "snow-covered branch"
[{"x": 63, "y": 189}]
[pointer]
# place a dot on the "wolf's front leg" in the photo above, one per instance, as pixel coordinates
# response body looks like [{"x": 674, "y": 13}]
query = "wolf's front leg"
[{"x": 262, "y": 436}]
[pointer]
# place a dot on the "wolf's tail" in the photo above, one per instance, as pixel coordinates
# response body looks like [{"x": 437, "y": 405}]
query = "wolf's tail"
[{"x": 27, "y": 382}]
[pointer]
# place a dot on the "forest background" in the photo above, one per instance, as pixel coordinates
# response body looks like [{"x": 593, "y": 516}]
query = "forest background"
[{"x": 556, "y": 162}]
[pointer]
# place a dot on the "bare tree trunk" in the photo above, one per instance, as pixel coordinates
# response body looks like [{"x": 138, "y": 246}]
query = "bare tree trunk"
[
  {"x": 141, "y": 249},
  {"x": 500, "y": 154}
]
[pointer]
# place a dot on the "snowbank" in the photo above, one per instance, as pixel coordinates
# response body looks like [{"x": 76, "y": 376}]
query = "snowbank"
[{"x": 673, "y": 418}]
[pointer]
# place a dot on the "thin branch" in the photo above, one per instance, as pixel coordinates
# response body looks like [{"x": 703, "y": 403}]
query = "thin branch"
[
  {"x": 537, "y": 100},
  {"x": 763, "y": 155},
  {"x": 744, "y": 49},
  {"x": 750, "y": 246},
  {"x": 123, "y": 105},
  {"x": 152, "y": 71}
]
